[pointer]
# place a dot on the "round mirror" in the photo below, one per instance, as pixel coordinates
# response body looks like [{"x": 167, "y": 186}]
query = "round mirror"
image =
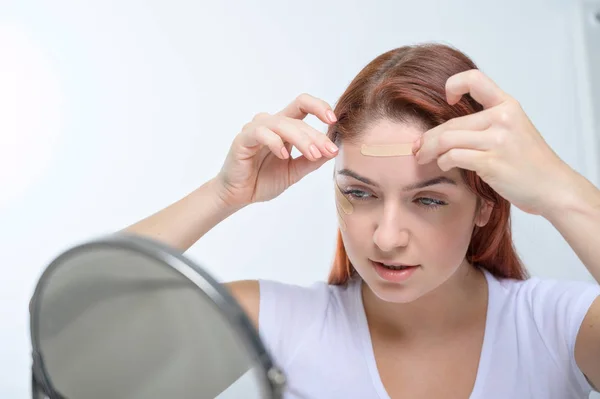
[{"x": 125, "y": 317}]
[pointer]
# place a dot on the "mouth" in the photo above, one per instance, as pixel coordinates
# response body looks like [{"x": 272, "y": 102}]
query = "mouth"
[
  {"x": 393, "y": 265},
  {"x": 394, "y": 272}
]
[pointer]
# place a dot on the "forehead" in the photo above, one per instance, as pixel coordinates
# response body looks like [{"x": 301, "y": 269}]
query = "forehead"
[
  {"x": 395, "y": 170},
  {"x": 386, "y": 131}
]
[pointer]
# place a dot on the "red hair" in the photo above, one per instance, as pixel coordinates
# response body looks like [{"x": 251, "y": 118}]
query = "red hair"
[{"x": 407, "y": 85}]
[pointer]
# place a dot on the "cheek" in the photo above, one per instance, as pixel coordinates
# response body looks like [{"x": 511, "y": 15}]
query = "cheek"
[
  {"x": 358, "y": 232},
  {"x": 446, "y": 241},
  {"x": 358, "y": 237}
]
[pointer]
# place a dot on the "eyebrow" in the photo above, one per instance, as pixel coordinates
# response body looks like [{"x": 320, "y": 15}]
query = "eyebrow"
[{"x": 415, "y": 186}]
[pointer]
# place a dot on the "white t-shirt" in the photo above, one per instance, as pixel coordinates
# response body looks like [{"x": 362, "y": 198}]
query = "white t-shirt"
[{"x": 319, "y": 336}]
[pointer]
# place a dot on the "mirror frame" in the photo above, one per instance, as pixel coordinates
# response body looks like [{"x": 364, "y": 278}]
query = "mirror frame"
[{"x": 42, "y": 387}]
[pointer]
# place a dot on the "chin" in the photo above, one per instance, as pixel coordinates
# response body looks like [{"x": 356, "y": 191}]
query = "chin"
[
  {"x": 410, "y": 289},
  {"x": 395, "y": 293},
  {"x": 394, "y": 286}
]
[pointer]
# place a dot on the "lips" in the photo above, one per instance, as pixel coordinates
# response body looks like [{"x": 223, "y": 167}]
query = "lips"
[
  {"x": 394, "y": 265},
  {"x": 394, "y": 272}
]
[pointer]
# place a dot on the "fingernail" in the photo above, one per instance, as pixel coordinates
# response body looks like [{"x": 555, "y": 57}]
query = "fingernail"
[
  {"x": 332, "y": 147},
  {"x": 315, "y": 151},
  {"x": 285, "y": 153},
  {"x": 331, "y": 116},
  {"x": 416, "y": 146}
]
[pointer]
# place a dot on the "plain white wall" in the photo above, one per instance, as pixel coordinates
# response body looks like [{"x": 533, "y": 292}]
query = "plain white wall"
[{"x": 111, "y": 110}]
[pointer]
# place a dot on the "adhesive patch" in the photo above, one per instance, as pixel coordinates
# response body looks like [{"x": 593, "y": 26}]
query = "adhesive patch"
[
  {"x": 341, "y": 221},
  {"x": 343, "y": 201},
  {"x": 388, "y": 150},
  {"x": 341, "y": 205}
]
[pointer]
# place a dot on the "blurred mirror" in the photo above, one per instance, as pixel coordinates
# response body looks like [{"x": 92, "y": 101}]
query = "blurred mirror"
[{"x": 124, "y": 317}]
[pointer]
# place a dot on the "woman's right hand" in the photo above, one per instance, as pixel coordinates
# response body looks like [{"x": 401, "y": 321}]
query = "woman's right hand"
[{"x": 259, "y": 167}]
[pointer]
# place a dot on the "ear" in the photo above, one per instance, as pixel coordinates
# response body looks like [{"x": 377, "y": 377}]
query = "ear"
[{"x": 484, "y": 211}]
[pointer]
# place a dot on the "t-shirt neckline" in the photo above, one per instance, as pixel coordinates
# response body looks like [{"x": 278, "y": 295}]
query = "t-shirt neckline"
[{"x": 484, "y": 360}]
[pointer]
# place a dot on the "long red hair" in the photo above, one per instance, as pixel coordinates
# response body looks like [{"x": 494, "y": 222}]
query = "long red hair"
[{"x": 407, "y": 84}]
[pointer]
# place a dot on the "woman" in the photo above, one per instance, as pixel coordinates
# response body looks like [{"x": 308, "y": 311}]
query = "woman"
[{"x": 427, "y": 297}]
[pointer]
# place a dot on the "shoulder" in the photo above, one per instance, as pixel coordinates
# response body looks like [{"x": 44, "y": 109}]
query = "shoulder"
[
  {"x": 297, "y": 304},
  {"x": 543, "y": 295},
  {"x": 293, "y": 316},
  {"x": 547, "y": 301},
  {"x": 274, "y": 297},
  {"x": 546, "y": 316},
  {"x": 309, "y": 300},
  {"x": 550, "y": 309}
]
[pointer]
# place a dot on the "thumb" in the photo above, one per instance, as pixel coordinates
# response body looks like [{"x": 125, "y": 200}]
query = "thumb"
[{"x": 301, "y": 166}]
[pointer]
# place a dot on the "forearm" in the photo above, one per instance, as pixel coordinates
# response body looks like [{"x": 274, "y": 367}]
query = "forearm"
[
  {"x": 184, "y": 222},
  {"x": 578, "y": 221}
]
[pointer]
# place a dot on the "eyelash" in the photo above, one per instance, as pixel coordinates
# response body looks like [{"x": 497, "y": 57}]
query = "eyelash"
[{"x": 436, "y": 203}]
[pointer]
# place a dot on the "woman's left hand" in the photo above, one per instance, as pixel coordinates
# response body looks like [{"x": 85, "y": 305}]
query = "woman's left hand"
[{"x": 500, "y": 144}]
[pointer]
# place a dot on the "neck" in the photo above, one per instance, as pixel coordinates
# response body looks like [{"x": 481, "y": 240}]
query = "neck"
[{"x": 457, "y": 303}]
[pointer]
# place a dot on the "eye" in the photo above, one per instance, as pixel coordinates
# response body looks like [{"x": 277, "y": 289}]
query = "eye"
[
  {"x": 356, "y": 194},
  {"x": 430, "y": 202}
]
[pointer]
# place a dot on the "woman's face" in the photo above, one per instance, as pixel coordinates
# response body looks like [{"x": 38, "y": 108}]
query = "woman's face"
[{"x": 404, "y": 214}]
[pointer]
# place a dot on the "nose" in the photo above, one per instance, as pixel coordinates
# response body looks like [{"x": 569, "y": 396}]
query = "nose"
[{"x": 390, "y": 232}]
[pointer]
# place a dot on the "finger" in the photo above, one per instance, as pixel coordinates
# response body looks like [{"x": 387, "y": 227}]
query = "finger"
[
  {"x": 323, "y": 143},
  {"x": 302, "y": 166},
  {"x": 285, "y": 129},
  {"x": 255, "y": 134},
  {"x": 269, "y": 138},
  {"x": 467, "y": 139},
  {"x": 477, "y": 121},
  {"x": 306, "y": 104},
  {"x": 291, "y": 133},
  {"x": 478, "y": 85},
  {"x": 288, "y": 147},
  {"x": 462, "y": 158}
]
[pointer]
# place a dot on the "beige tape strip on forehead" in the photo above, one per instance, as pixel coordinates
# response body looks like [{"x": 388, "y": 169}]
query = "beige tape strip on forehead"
[{"x": 388, "y": 150}]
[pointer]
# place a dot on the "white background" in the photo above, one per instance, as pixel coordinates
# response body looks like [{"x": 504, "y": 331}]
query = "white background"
[{"x": 111, "y": 110}]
